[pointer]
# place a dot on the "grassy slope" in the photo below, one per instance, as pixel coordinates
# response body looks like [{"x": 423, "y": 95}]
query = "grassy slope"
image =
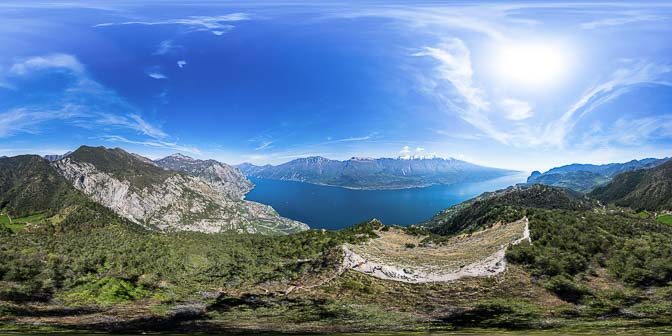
[
  {"x": 665, "y": 219},
  {"x": 17, "y": 224}
]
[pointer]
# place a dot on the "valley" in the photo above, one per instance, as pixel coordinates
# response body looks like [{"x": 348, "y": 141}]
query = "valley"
[
  {"x": 183, "y": 167},
  {"x": 523, "y": 257}
]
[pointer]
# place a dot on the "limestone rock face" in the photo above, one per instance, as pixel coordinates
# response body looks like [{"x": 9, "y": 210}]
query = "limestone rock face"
[
  {"x": 167, "y": 200},
  {"x": 222, "y": 177}
]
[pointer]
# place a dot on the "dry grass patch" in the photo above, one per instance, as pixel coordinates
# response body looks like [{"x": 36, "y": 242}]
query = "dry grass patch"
[{"x": 395, "y": 247}]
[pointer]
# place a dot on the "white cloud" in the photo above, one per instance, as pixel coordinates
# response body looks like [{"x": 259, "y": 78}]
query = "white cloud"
[
  {"x": 452, "y": 82},
  {"x": 471, "y": 105},
  {"x": 351, "y": 139},
  {"x": 53, "y": 61},
  {"x": 516, "y": 109},
  {"x": 419, "y": 149},
  {"x": 619, "y": 83},
  {"x": 628, "y": 18},
  {"x": 632, "y": 132},
  {"x": 156, "y": 75},
  {"x": 454, "y": 67},
  {"x": 217, "y": 25},
  {"x": 165, "y": 47},
  {"x": 405, "y": 152},
  {"x": 26, "y": 120},
  {"x": 153, "y": 143},
  {"x": 181, "y": 63},
  {"x": 264, "y": 145},
  {"x": 135, "y": 122},
  {"x": 82, "y": 103}
]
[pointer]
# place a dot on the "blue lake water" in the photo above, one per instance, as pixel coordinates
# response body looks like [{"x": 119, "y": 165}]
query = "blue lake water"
[{"x": 335, "y": 208}]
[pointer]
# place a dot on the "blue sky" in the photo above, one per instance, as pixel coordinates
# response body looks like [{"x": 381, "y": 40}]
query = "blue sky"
[{"x": 526, "y": 85}]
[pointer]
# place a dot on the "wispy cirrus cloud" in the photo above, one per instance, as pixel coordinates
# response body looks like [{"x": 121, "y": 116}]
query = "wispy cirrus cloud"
[
  {"x": 153, "y": 143},
  {"x": 629, "y": 132},
  {"x": 27, "y": 120},
  {"x": 493, "y": 112},
  {"x": 622, "y": 19},
  {"x": 620, "y": 82},
  {"x": 217, "y": 25},
  {"x": 466, "y": 99},
  {"x": 81, "y": 102},
  {"x": 354, "y": 138},
  {"x": 264, "y": 145},
  {"x": 516, "y": 109},
  {"x": 454, "y": 68},
  {"x": 165, "y": 47}
]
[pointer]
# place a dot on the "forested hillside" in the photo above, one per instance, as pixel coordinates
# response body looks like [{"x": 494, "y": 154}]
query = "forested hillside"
[
  {"x": 82, "y": 266},
  {"x": 649, "y": 189}
]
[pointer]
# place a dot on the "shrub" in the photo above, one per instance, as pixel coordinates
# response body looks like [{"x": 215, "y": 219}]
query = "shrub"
[
  {"x": 566, "y": 289},
  {"x": 105, "y": 291}
]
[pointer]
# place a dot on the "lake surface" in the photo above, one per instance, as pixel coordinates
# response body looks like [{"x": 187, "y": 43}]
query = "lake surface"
[{"x": 336, "y": 208}]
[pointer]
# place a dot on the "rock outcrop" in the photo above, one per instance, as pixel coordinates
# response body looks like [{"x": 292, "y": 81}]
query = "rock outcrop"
[
  {"x": 489, "y": 265},
  {"x": 166, "y": 200},
  {"x": 222, "y": 177}
]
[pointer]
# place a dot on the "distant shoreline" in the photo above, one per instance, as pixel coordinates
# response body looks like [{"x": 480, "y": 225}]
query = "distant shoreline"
[{"x": 383, "y": 188}]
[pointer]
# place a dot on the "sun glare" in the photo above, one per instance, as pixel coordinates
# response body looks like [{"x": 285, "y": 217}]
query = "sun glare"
[{"x": 533, "y": 65}]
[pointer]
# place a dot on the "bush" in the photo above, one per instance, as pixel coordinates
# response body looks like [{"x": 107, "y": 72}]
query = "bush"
[
  {"x": 508, "y": 313},
  {"x": 106, "y": 291},
  {"x": 566, "y": 289}
]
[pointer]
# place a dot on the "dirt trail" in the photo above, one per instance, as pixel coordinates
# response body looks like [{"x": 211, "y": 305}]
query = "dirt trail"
[{"x": 488, "y": 266}]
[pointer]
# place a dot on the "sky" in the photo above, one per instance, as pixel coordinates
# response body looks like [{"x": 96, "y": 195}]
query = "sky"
[{"x": 519, "y": 85}]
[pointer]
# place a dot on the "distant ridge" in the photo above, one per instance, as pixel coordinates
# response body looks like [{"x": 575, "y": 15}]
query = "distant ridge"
[
  {"x": 586, "y": 177},
  {"x": 647, "y": 189},
  {"x": 370, "y": 173},
  {"x": 56, "y": 157}
]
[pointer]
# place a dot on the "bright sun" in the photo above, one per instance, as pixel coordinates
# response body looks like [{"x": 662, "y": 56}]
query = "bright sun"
[{"x": 533, "y": 65}]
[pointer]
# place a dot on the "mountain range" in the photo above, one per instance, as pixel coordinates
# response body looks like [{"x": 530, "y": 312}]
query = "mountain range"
[
  {"x": 643, "y": 189},
  {"x": 106, "y": 240},
  {"x": 585, "y": 177},
  {"x": 369, "y": 173},
  {"x": 196, "y": 196}
]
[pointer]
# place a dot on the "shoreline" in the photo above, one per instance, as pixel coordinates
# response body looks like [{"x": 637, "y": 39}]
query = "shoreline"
[{"x": 389, "y": 188}]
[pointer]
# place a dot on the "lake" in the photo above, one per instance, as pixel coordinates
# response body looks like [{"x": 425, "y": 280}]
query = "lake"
[{"x": 335, "y": 208}]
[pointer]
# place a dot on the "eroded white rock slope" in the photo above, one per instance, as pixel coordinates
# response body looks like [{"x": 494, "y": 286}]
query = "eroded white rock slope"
[
  {"x": 179, "y": 203},
  {"x": 488, "y": 266}
]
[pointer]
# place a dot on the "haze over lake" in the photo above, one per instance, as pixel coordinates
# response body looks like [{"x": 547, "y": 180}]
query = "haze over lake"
[{"x": 334, "y": 208}]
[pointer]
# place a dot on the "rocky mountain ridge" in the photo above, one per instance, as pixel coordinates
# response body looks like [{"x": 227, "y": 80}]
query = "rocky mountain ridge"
[
  {"x": 586, "y": 177},
  {"x": 224, "y": 178},
  {"x": 167, "y": 200},
  {"x": 368, "y": 173}
]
